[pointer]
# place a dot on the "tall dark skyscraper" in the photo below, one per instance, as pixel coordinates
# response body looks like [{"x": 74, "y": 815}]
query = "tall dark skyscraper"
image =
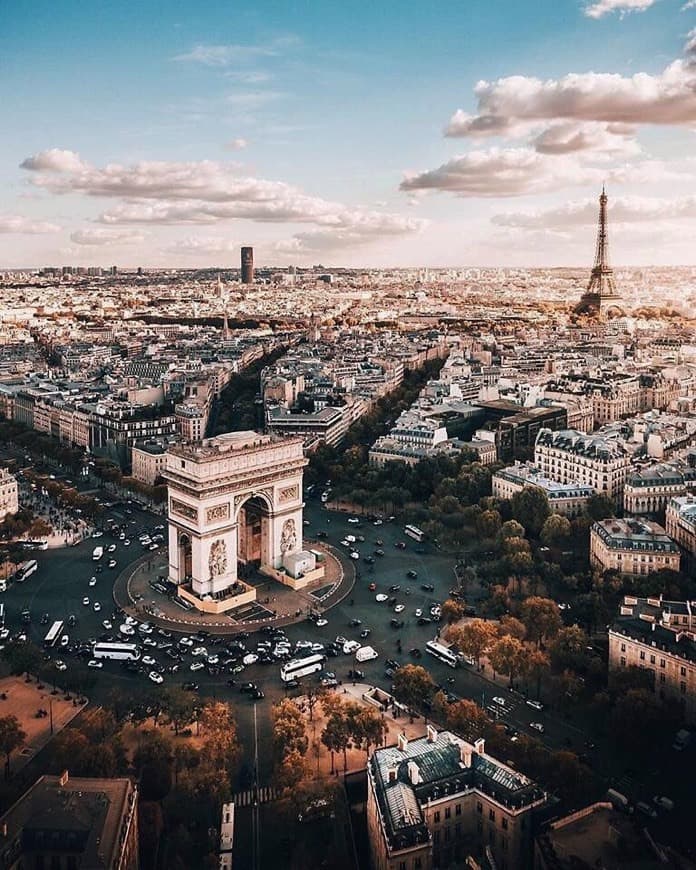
[{"x": 247, "y": 265}]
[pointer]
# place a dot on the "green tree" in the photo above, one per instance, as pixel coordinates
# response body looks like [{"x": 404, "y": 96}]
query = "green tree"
[
  {"x": 568, "y": 649},
  {"x": 556, "y": 531},
  {"x": 473, "y": 638},
  {"x": 534, "y": 665},
  {"x": 335, "y": 735},
  {"x": 600, "y": 507},
  {"x": 511, "y": 529},
  {"x": 289, "y": 732},
  {"x": 541, "y": 617},
  {"x": 530, "y": 506},
  {"x": 488, "y": 524},
  {"x": 11, "y": 737},
  {"x": 413, "y": 685},
  {"x": 468, "y": 719},
  {"x": 513, "y": 626}
]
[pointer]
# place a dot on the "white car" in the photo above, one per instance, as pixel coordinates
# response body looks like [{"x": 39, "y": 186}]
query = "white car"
[
  {"x": 499, "y": 701},
  {"x": 185, "y": 641},
  {"x": 95, "y": 663},
  {"x": 350, "y": 646},
  {"x": 213, "y": 660},
  {"x": 196, "y": 666},
  {"x": 419, "y": 612},
  {"x": 97, "y": 607},
  {"x": 355, "y": 555},
  {"x": 377, "y": 523},
  {"x": 97, "y": 534},
  {"x": 320, "y": 623},
  {"x": 61, "y": 666},
  {"x": 145, "y": 628},
  {"x": 537, "y": 726},
  {"x": 153, "y": 546},
  {"x": 126, "y": 543},
  {"x": 345, "y": 543},
  {"x": 155, "y": 677},
  {"x": 399, "y": 608},
  {"x": 353, "y": 520},
  {"x": 122, "y": 536},
  {"x": 536, "y": 704},
  {"x": 112, "y": 563},
  {"x": 199, "y": 651},
  {"x": 130, "y": 620},
  {"x": 350, "y": 539},
  {"x": 107, "y": 624},
  {"x": 381, "y": 597},
  {"x": 92, "y": 581},
  {"x": 317, "y": 647},
  {"x": 85, "y": 601},
  {"x": 65, "y": 640},
  {"x": 250, "y": 659},
  {"x": 148, "y": 660},
  {"x": 128, "y": 630},
  {"x": 112, "y": 548}
]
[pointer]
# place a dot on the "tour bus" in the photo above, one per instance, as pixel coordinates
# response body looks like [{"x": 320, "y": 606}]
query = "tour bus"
[
  {"x": 26, "y": 569},
  {"x": 297, "y": 668},
  {"x": 414, "y": 532},
  {"x": 97, "y": 553},
  {"x": 125, "y": 652},
  {"x": 37, "y": 545},
  {"x": 442, "y": 652},
  {"x": 54, "y": 633}
]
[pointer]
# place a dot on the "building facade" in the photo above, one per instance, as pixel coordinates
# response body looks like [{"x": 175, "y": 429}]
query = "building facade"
[
  {"x": 649, "y": 490},
  {"x": 9, "y": 494},
  {"x": 632, "y": 547},
  {"x": 63, "y": 822},
  {"x": 680, "y": 521},
  {"x": 659, "y": 636},
  {"x": 439, "y": 800},
  {"x": 568, "y": 499},
  {"x": 572, "y": 457}
]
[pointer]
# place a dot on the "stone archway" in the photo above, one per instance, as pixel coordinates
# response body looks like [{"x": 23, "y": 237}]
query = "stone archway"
[
  {"x": 254, "y": 530},
  {"x": 185, "y": 561}
]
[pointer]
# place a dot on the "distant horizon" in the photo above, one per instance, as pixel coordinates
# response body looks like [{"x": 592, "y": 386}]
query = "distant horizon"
[{"x": 360, "y": 134}]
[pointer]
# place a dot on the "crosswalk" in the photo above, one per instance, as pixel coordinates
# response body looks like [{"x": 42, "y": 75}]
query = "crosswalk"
[{"x": 248, "y": 798}]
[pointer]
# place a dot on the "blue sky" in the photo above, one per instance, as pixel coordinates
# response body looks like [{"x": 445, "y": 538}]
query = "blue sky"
[{"x": 171, "y": 133}]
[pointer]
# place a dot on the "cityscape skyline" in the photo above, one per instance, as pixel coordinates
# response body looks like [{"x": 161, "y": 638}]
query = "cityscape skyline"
[{"x": 203, "y": 132}]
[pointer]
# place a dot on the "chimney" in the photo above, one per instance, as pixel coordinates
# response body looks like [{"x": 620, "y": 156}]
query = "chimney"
[
  {"x": 414, "y": 773},
  {"x": 393, "y": 773},
  {"x": 432, "y": 734},
  {"x": 480, "y": 746},
  {"x": 465, "y": 750},
  {"x": 403, "y": 742},
  {"x": 64, "y": 777}
]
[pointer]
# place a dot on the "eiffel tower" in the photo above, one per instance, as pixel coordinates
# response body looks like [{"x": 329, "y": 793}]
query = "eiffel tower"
[{"x": 601, "y": 291}]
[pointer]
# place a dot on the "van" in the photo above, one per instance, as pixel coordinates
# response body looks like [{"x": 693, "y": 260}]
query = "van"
[{"x": 620, "y": 801}]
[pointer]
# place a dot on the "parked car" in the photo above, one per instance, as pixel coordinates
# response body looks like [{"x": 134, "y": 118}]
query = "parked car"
[
  {"x": 95, "y": 663},
  {"x": 537, "y": 726},
  {"x": 536, "y": 704},
  {"x": 155, "y": 677}
]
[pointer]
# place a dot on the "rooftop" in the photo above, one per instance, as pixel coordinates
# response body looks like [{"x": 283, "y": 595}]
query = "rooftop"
[{"x": 633, "y": 534}]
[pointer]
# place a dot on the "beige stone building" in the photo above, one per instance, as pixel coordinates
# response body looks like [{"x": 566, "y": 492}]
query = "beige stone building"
[
  {"x": 572, "y": 457},
  {"x": 659, "y": 636},
  {"x": 9, "y": 494},
  {"x": 148, "y": 460},
  {"x": 568, "y": 499},
  {"x": 440, "y": 800},
  {"x": 680, "y": 521},
  {"x": 649, "y": 490},
  {"x": 632, "y": 547}
]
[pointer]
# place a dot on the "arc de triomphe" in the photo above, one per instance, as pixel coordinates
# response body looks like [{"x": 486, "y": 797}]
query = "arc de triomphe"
[{"x": 233, "y": 498}]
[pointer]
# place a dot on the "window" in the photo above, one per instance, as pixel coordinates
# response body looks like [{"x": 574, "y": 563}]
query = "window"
[
  {"x": 448, "y": 812},
  {"x": 447, "y": 833},
  {"x": 436, "y": 838},
  {"x": 663, "y": 663},
  {"x": 623, "y": 661},
  {"x": 458, "y": 810},
  {"x": 662, "y": 678},
  {"x": 505, "y": 824},
  {"x": 491, "y": 815},
  {"x": 479, "y": 807},
  {"x": 458, "y": 830},
  {"x": 402, "y": 865},
  {"x": 682, "y": 672},
  {"x": 479, "y": 826},
  {"x": 642, "y": 655},
  {"x": 623, "y": 647},
  {"x": 652, "y": 660},
  {"x": 437, "y": 817},
  {"x": 682, "y": 687}
]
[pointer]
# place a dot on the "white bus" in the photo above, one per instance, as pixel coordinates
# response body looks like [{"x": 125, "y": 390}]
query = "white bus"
[
  {"x": 26, "y": 569},
  {"x": 97, "y": 553},
  {"x": 414, "y": 532},
  {"x": 54, "y": 633},
  {"x": 441, "y": 652},
  {"x": 297, "y": 668},
  {"x": 125, "y": 652}
]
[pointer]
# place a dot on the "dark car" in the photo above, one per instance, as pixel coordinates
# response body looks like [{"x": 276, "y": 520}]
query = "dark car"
[
  {"x": 427, "y": 587},
  {"x": 416, "y": 653},
  {"x": 369, "y": 560},
  {"x": 356, "y": 622},
  {"x": 424, "y": 620},
  {"x": 389, "y": 672},
  {"x": 394, "y": 588},
  {"x": 257, "y": 695},
  {"x": 322, "y": 535},
  {"x": 397, "y": 623},
  {"x": 392, "y": 663},
  {"x": 292, "y": 684},
  {"x": 379, "y": 552},
  {"x": 365, "y": 633},
  {"x": 400, "y": 545},
  {"x": 412, "y": 574},
  {"x": 332, "y": 651},
  {"x": 356, "y": 675},
  {"x": 248, "y": 687}
]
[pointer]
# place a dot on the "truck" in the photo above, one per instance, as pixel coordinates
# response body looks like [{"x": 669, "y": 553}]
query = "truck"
[
  {"x": 681, "y": 740},
  {"x": 366, "y": 654}
]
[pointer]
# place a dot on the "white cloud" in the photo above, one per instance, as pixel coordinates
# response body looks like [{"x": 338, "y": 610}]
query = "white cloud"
[
  {"x": 209, "y": 192},
  {"x": 103, "y": 236},
  {"x": 624, "y": 209},
  {"x": 197, "y": 246},
  {"x": 237, "y": 144},
  {"x": 507, "y": 103},
  {"x": 225, "y": 55},
  {"x": 11, "y": 223},
  {"x": 691, "y": 4},
  {"x": 604, "y": 7},
  {"x": 54, "y": 160},
  {"x": 570, "y": 137}
]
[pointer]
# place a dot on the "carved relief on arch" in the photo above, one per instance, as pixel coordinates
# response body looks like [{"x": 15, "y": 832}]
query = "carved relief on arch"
[{"x": 289, "y": 493}]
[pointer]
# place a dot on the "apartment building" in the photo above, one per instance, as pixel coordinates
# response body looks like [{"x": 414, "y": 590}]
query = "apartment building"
[
  {"x": 149, "y": 458},
  {"x": 632, "y": 547},
  {"x": 659, "y": 636},
  {"x": 680, "y": 522},
  {"x": 439, "y": 800},
  {"x": 65, "y": 822},
  {"x": 649, "y": 490},
  {"x": 9, "y": 494},
  {"x": 568, "y": 499},
  {"x": 326, "y": 426},
  {"x": 617, "y": 397},
  {"x": 569, "y": 456}
]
